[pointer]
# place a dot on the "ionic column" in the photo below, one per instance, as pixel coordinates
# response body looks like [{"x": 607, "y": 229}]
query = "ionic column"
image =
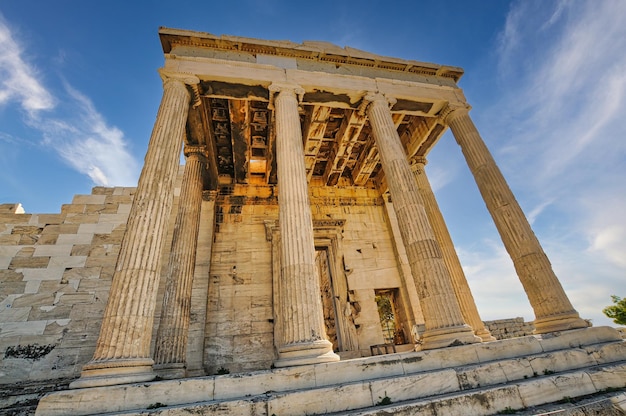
[
  {"x": 553, "y": 310},
  {"x": 443, "y": 319},
  {"x": 450, "y": 258},
  {"x": 171, "y": 343},
  {"x": 303, "y": 336},
  {"x": 123, "y": 349}
]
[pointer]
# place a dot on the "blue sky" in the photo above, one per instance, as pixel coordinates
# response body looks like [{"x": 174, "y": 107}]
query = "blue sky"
[{"x": 79, "y": 93}]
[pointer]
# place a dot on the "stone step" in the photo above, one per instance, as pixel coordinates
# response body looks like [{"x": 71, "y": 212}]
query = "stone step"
[{"x": 596, "y": 355}]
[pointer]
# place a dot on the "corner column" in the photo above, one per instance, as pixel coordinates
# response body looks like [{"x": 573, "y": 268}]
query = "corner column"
[
  {"x": 450, "y": 258},
  {"x": 442, "y": 315},
  {"x": 303, "y": 335},
  {"x": 553, "y": 310},
  {"x": 170, "y": 353},
  {"x": 123, "y": 349}
]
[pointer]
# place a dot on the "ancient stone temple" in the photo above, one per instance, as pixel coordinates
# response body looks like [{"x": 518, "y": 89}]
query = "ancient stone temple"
[{"x": 296, "y": 263}]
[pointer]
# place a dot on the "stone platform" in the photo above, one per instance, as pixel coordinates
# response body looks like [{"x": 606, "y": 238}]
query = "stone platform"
[{"x": 475, "y": 379}]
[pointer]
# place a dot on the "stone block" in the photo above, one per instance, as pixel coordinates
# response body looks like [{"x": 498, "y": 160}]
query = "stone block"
[
  {"x": 415, "y": 386},
  {"x": 34, "y": 299},
  {"x": 89, "y": 199},
  {"x": 113, "y": 218},
  {"x": 60, "y": 229},
  {"x": 46, "y": 313},
  {"x": 605, "y": 377},
  {"x": 11, "y": 329},
  {"x": 11, "y": 288},
  {"x": 101, "y": 262},
  {"x": 124, "y": 209},
  {"x": 27, "y": 251},
  {"x": 516, "y": 347},
  {"x": 110, "y": 238},
  {"x": 317, "y": 401},
  {"x": 47, "y": 239},
  {"x": 472, "y": 377},
  {"x": 482, "y": 402},
  {"x": 97, "y": 228},
  {"x": 74, "y": 239},
  {"x": 103, "y": 190},
  {"x": 347, "y": 371},
  {"x": 234, "y": 328},
  {"x": 516, "y": 369},
  {"x": 128, "y": 397},
  {"x": 53, "y": 250},
  {"x": 50, "y": 273},
  {"x": 578, "y": 337},
  {"x": 81, "y": 249},
  {"x": 118, "y": 199},
  {"x": 608, "y": 353},
  {"x": 10, "y": 218},
  {"x": 10, "y": 239},
  {"x": 72, "y": 208},
  {"x": 32, "y": 286},
  {"x": 14, "y": 314},
  {"x": 67, "y": 261},
  {"x": 76, "y": 298},
  {"x": 82, "y": 218},
  {"x": 557, "y": 361},
  {"x": 10, "y": 276},
  {"x": 554, "y": 388},
  {"x": 231, "y": 386},
  {"x": 5, "y": 262},
  {"x": 10, "y": 251}
]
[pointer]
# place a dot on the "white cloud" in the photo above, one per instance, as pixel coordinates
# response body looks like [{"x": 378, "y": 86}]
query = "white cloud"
[
  {"x": 75, "y": 129},
  {"x": 88, "y": 144},
  {"x": 19, "y": 79}
]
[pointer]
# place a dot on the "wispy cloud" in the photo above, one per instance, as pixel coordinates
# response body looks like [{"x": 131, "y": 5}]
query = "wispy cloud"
[
  {"x": 72, "y": 127},
  {"x": 87, "y": 143},
  {"x": 19, "y": 79}
]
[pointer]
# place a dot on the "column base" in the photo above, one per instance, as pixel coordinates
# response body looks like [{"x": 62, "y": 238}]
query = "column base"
[
  {"x": 448, "y": 337},
  {"x": 112, "y": 372},
  {"x": 485, "y": 335},
  {"x": 170, "y": 371},
  {"x": 562, "y": 322},
  {"x": 304, "y": 353}
]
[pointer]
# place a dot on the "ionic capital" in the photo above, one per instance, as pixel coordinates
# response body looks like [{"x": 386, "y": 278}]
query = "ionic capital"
[
  {"x": 182, "y": 78},
  {"x": 418, "y": 162},
  {"x": 372, "y": 97},
  {"x": 195, "y": 151},
  {"x": 293, "y": 90},
  {"x": 452, "y": 111},
  {"x": 209, "y": 195}
]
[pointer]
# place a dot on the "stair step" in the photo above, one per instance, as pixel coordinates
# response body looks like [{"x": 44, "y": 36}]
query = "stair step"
[{"x": 362, "y": 383}]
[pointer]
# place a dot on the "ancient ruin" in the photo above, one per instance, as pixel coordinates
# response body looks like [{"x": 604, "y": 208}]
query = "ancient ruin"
[{"x": 297, "y": 263}]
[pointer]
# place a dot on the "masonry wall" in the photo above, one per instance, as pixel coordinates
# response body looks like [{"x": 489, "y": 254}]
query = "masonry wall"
[
  {"x": 55, "y": 275},
  {"x": 56, "y": 270}
]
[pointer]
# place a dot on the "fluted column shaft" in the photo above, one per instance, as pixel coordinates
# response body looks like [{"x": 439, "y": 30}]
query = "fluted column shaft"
[
  {"x": 450, "y": 258},
  {"x": 303, "y": 338},
  {"x": 123, "y": 349},
  {"x": 443, "y": 319},
  {"x": 553, "y": 310},
  {"x": 171, "y": 342}
]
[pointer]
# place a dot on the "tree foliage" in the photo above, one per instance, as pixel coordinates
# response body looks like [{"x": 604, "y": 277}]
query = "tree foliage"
[{"x": 616, "y": 312}]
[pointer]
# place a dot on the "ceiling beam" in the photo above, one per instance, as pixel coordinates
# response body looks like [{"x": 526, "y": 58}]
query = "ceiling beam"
[
  {"x": 315, "y": 127},
  {"x": 346, "y": 138}
]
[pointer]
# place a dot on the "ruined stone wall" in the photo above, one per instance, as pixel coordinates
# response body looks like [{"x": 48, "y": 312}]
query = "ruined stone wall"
[
  {"x": 509, "y": 328},
  {"x": 239, "y": 320},
  {"x": 55, "y": 274},
  {"x": 240, "y": 315},
  {"x": 368, "y": 253}
]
